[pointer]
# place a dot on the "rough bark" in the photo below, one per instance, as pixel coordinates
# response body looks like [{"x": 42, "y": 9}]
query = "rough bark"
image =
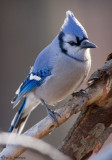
[
  {"x": 89, "y": 133},
  {"x": 93, "y": 125}
]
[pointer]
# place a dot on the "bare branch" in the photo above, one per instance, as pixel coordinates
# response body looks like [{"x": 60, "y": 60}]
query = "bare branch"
[{"x": 31, "y": 143}]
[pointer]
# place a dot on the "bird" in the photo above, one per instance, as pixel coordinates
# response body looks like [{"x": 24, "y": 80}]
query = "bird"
[{"x": 57, "y": 72}]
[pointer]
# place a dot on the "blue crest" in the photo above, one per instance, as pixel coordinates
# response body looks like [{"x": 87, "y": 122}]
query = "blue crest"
[{"x": 72, "y": 26}]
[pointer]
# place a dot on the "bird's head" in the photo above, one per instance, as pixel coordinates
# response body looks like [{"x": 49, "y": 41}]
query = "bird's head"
[{"x": 73, "y": 39}]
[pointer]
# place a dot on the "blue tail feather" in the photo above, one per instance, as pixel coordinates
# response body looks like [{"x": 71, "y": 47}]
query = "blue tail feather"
[
  {"x": 11, "y": 128},
  {"x": 17, "y": 117}
]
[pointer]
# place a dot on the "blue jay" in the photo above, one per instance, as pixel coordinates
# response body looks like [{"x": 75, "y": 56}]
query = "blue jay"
[{"x": 57, "y": 72}]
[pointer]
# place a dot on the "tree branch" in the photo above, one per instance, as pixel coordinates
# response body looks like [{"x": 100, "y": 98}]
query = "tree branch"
[
  {"x": 40, "y": 147},
  {"x": 89, "y": 133},
  {"x": 93, "y": 126},
  {"x": 98, "y": 95}
]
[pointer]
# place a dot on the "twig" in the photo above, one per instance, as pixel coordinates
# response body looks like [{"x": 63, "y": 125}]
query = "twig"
[{"x": 31, "y": 143}]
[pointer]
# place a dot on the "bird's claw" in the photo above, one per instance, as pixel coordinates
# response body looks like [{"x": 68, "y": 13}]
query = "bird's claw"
[{"x": 53, "y": 115}]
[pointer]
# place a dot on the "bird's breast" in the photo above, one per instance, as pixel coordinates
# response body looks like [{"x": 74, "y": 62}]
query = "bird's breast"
[{"x": 67, "y": 76}]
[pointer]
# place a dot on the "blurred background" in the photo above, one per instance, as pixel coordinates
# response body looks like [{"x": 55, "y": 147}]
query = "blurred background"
[{"x": 26, "y": 27}]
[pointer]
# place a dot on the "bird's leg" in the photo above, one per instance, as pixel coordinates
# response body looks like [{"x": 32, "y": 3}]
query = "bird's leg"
[{"x": 51, "y": 113}]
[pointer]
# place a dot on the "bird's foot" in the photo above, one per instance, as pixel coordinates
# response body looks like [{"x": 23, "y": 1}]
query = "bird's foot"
[{"x": 53, "y": 115}]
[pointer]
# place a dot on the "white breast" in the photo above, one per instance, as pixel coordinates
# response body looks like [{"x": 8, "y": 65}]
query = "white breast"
[{"x": 66, "y": 78}]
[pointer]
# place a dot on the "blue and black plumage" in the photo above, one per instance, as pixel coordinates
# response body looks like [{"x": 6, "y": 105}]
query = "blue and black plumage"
[
  {"x": 26, "y": 86},
  {"x": 17, "y": 121},
  {"x": 57, "y": 72},
  {"x": 29, "y": 84}
]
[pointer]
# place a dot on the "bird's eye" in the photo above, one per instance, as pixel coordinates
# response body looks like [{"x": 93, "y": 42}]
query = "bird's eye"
[{"x": 72, "y": 43}]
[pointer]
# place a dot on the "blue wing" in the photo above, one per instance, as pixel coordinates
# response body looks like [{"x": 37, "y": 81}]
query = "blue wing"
[{"x": 30, "y": 84}]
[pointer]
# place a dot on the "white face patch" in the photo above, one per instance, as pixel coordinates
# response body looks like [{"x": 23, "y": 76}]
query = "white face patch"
[
  {"x": 34, "y": 77},
  {"x": 70, "y": 49},
  {"x": 68, "y": 38},
  {"x": 73, "y": 50}
]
